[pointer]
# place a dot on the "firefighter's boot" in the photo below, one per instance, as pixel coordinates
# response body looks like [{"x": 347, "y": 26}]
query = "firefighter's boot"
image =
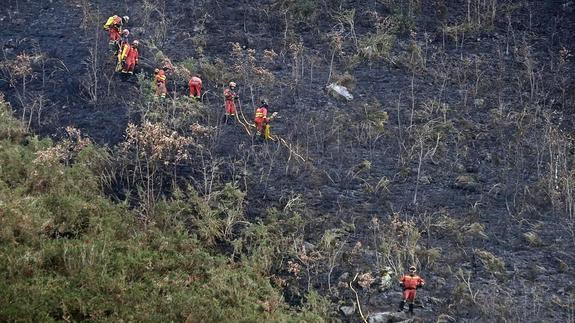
[
  {"x": 401, "y": 305},
  {"x": 410, "y": 308}
]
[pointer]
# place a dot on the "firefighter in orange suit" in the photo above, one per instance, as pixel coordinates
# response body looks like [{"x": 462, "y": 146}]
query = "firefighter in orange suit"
[
  {"x": 114, "y": 28},
  {"x": 130, "y": 57},
  {"x": 410, "y": 283},
  {"x": 261, "y": 119},
  {"x": 230, "y": 97},
  {"x": 160, "y": 77},
  {"x": 195, "y": 85}
]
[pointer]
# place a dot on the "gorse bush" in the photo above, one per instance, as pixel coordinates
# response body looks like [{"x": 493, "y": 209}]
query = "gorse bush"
[{"x": 69, "y": 253}]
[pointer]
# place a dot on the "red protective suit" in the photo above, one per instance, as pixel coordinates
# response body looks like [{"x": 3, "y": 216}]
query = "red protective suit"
[
  {"x": 195, "y": 87},
  {"x": 261, "y": 118},
  {"x": 113, "y": 26},
  {"x": 410, "y": 283},
  {"x": 113, "y": 34},
  {"x": 161, "y": 89},
  {"x": 230, "y": 104},
  {"x": 131, "y": 60}
]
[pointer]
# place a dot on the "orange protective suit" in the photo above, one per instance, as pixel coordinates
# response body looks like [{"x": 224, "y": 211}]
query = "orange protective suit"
[
  {"x": 261, "y": 119},
  {"x": 161, "y": 89},
  {"x": 114, "y": 26},
  {"x": 230, "y": 96},
  {"x": 195, "y": 87},
  {"x": 410, "y": 283},
  {"x": 130, "y": 57}
]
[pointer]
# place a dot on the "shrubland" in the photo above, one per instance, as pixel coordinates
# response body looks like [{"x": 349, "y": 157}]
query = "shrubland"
[{"x": 70, "y": 253}]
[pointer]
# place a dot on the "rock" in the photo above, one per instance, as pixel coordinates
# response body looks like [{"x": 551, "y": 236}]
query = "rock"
[
  {"x": 344, "y": 276},
  {"x": 467, "y": 182},
  {"x": 347, "y": 310},
  {"x": 340, "y": 90},
  {"x": 387, "y": 317}
]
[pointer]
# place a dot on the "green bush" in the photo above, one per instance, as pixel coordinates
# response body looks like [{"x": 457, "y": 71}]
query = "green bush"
[{"x": 69, "y": 253}]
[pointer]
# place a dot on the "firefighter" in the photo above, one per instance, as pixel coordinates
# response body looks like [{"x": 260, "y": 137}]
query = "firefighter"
[
  {"x": 230, "y": 97},
  {"x": 160, "y": 77},
  {"x": 262, "y": 120},
  {"x": 121, "y": 57},
  {"x": 124, "y": 38},
  {"x": 410, "y": 283},
  {"x": 130, "y": 57},
  {"x": 114, "y": 28},
  {"x": 195, "y": 87}
]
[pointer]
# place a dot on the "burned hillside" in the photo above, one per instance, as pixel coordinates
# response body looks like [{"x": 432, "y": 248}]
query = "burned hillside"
[{"x": 453, "y": 152}]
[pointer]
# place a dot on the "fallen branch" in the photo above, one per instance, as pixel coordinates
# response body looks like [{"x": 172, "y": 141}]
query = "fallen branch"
[
  {"x": 357, "y": 298},
  {"x": 244, "y": 124},
  {"x": 287, "y": 145},
  {"x": 241, "y": 111}
]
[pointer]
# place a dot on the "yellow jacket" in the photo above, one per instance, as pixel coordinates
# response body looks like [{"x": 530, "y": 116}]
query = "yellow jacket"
[
  {"x": 124, "y": 52},
  {"x": 114, "y": 20}
]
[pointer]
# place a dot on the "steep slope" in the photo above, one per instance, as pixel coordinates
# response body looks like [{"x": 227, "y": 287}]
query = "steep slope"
[{"x": 455, "y": 153}]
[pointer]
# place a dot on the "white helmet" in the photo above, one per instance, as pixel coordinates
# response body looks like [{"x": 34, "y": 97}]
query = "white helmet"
[
  {"x": 232, "y": 84},
  {"x": 125, "y": 32},
  {"x": 125, "y": 19}
]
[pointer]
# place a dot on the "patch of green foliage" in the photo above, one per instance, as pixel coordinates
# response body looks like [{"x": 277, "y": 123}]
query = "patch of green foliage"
[{"x": 69, "y": 253}]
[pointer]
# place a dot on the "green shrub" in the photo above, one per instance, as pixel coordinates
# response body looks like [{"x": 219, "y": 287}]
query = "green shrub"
[{"x": 67, "y": 253}]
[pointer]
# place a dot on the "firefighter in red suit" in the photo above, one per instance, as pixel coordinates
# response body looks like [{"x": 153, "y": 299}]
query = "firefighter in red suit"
[
  {"x": 195, "y": 87},
  {"x": 160, "y": 77},
  {"x": 114, "y": 28},
  {"x": 261, "y": 119},
  {"x": 410, "y": 283},
  {"x": 230, "y": 96},
  {"x": 130, "y": 57}
]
